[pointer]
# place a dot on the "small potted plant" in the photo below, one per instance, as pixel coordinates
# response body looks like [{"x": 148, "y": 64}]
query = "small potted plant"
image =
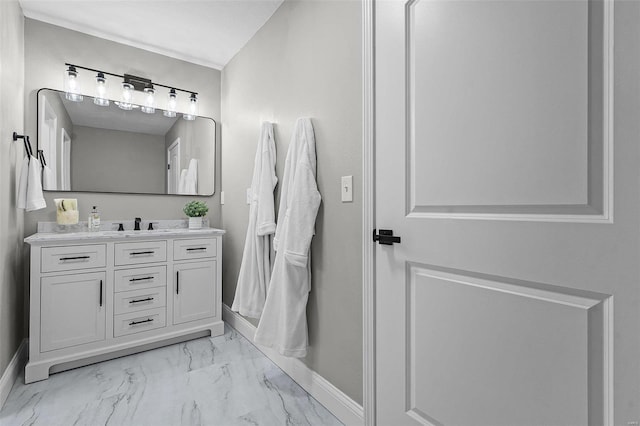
[{"x": 195, "y": 210}]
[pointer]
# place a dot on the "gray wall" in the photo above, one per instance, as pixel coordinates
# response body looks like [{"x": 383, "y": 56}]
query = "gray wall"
[
  {"x": 198, "y": 148},
  {"x": 305, "y": 61},
  {"x": 11, "y": 219},
  {"x": 113, "y": 160},
  {"x": 48, "y": 47}
]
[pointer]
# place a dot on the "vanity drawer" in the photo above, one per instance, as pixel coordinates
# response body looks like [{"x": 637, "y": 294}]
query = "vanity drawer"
[
  {"x": 139, "y": 300},
  {"x": 73, "y": 257},
  {"x": 137, "y": 322},
  {"x": 140, "y": 278},
  {"x": 142, "y": 252},
  {"x": 196, "y": 248}
]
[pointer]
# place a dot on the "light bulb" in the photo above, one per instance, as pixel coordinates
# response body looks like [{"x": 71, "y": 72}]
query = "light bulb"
[
  {"x": 193, "y": 108},
  {"x": 71, "y": 85},
  {"x": 171, "y": 104},
  {"x": 101, "y": 91},
  {"x": 150, "y": 100},
  {"x": 127, "y": 94}
]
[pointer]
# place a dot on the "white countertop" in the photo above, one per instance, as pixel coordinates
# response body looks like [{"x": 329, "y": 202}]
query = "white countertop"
[{"x": 85, "y": 236}]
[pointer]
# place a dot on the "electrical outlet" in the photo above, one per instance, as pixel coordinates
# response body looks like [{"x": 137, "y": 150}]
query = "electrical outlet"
[
  {"x": 222, "y": 198},
  {"x": 249, "y": 196}
]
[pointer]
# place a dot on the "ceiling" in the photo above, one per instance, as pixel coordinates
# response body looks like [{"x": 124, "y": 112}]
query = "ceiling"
[{"x": 205, "y": 32}]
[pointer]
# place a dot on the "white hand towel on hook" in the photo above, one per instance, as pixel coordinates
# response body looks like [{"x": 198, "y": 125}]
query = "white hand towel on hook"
[
  {"x": 30, "y": 195},
  {"x": 48, "y": 179}
]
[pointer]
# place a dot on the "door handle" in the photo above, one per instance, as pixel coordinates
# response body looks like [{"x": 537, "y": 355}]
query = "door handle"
[
  {"x": 385, "y": 237},
  {"x": 100, "y": 292},
  {"x": 177, "y": 282}
]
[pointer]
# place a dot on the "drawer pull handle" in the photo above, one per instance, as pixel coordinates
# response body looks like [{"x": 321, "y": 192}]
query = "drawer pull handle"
[
  {"x": 198, "y": 248},
  {"x": 140, "y": 279},
  {"x": 141, "y": 300},
  {"x": 141, "y": 322},
  {"x": 75, "y": 258},
  {"x": 136, "y": 253}
]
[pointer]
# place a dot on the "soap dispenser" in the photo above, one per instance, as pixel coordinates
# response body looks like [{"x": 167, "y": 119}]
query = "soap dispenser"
[{"x": 94, "y": 219}]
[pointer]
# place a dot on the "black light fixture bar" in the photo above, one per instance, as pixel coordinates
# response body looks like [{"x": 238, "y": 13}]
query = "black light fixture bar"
[{"x": 139, "y": 83}]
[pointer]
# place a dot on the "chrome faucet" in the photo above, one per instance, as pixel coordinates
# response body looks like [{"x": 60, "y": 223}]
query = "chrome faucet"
[{"x": 136, "y": 226}]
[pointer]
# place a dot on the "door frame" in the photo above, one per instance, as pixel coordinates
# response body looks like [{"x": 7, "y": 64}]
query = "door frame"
[
  {"x": 175, "y": 143},
  {"x": 368, "y": 216},
  {"x": 65, "y": 163}
]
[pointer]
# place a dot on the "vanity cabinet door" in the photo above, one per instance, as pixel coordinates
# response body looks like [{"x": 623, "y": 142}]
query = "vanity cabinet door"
[
  {"x": 194, "y": 291},
  {"x": 72, "y": 310}
]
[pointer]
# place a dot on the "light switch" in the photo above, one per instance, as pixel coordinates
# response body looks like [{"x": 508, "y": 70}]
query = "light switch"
[
  {"x": 347, "y": 189},
  {"x": 222, "y": 198}
]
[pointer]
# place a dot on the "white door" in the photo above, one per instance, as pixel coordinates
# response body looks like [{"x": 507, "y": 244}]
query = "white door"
[
  {"x": 173, "y": 167},
  {"x": 514, "y": 295},
  {"x": 72, "y": 311},
  {"x": 194, "y": 291}
]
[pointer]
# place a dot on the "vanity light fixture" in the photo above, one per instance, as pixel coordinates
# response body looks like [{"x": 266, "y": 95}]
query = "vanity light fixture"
[
  {"x": 71, "y": 85},
  {"x": 150, "y": 101},
  {"x": 193, "y": 108},
  {"x": 171, "y": 104},
  {"x": 127, "y": 95},
  {"x": 101, "y": 91},
  {"x": 130, "y": 84}
]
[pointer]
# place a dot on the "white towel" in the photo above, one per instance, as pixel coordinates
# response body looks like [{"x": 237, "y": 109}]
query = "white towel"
[
  {"x": 191, "y": 181},
  {"x": 30, "y": 195},
  {"x": 284, "y": 318},
  {"x": 255, "y": 269},
  {"x": 48, "y": 179},
  {"x": 182, "y": 182},
  {"x": 188, "y": 183},
  {"x": 21, "y": 195}
]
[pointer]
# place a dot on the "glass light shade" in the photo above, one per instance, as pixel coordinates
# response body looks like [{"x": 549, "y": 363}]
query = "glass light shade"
[
  {"x": 71, "y": 85},
  {"x": 127, "y": 95},
  {"x": 149, "y": 106},
  {"x": 101, "y": 91},
  {"x": 193, "y": 108},
  {"x": 171, "y": 104}
]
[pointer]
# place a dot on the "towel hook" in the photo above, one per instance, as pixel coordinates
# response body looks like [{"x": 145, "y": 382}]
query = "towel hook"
[
  {"x": 43, "y": 162},
  {"x": 16, "y": 136}
]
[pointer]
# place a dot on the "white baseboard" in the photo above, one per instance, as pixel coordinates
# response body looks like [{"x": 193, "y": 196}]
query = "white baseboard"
[
  {"x": 12, "y": 372},
  {"x": 344, "y": 408}
]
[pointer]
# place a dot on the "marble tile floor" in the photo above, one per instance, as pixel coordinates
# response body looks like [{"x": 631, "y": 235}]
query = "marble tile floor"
[{"x": 222, "y": 381}]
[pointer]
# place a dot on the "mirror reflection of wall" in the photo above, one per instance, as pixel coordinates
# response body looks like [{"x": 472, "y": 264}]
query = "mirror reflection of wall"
[{"x": 92, "y": 148}]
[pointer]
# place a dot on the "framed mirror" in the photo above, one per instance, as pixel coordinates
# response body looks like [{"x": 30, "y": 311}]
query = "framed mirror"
[{"x": 92, "y": 148}]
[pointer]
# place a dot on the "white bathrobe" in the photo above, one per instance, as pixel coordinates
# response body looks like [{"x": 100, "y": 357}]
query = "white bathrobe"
[
  {"x": 283, "y": 324},
  {"x": 255, "y": 270}
]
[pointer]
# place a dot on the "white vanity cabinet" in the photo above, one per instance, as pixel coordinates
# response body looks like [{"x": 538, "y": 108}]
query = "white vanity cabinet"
[
  {"x": 74, "y": 311},
  {"x": 95, "y": 296}
]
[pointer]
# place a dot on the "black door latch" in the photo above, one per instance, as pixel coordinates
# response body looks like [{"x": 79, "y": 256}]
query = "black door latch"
[{"x": 385, "y": 237}]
